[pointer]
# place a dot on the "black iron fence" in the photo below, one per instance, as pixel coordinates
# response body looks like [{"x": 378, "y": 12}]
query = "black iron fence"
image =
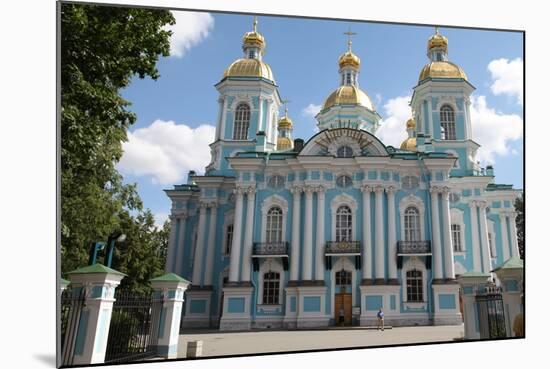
[
  {"x": 414, "y": 247},
  {"x": 72, "y": 303},
  {"x": 490, "y": 310},
  {"x": 133, "y": 333},
  {"x": 343, "y": 247},
  {"x": 270, "y": 248}
]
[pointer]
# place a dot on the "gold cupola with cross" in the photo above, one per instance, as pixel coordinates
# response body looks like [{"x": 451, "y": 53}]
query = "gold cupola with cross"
[{"x": 285, "y": 127}]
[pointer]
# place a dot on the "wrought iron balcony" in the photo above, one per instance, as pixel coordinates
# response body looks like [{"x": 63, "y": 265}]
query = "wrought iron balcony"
[
  {"x": 261, "y": 249},
  {"x": 343, "y": 247},
  {"x": 414, "y": 248}
]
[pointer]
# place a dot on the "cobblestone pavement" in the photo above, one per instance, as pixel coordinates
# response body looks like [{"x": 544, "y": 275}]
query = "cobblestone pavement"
[{"x": 216, "y": 343}]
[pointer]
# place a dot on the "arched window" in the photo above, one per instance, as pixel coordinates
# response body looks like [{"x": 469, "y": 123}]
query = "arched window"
[
  {"x": 414, "y": 286},
  {"x": 344, "y": 152},
  {"x": 412, "y": 224},
  {"x": 271, "y": 288},
  {"x": 448, "y": 127},
  {"x": 242, "y": 120},
  {"x": 274, "y": 225},
  {"x": 457, "y": 239},
  {"x": 343, "y": 224},
  {"x": 228, "y": 239}
]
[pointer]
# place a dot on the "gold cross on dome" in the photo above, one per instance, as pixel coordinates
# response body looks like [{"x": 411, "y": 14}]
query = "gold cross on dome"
[
  {"x": 349, "y": 34},
  {"x": 255, "y": 23},
  {"x": 437, "y": 30},
  {"x": 285, "y": 103}
]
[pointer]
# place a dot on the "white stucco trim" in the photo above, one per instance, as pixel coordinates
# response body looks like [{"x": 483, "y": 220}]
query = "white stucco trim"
[
  {"x": 340, "y": 200},
  {"x": 412, "y": 200},
  {"x": 457, "y": 217},
  {"x": 268, "y": 203},
  {"x": 346, "y": 264},
  {"x": 273, "y": 265},
  {"x": 491, "y": 230},
  {"x": 415, "y": 263}
]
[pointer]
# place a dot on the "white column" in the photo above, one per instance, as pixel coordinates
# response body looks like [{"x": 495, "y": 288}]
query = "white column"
[
  {"x": 295, "y": 240},
  {"x": 247, "y": 249},
  {"x": 172, "y": 246},
  {"x": 475, "y": 236},
  {"x": 307, "y": 256},
  {"x": 485, "y": 251},
  {"x": 449, "y": 252},
  {"x": 467, "y": 118},
  {"x": 436, "y": 236},
  {"x": 392, "y": 243},
  {"x": 199, "y": 251},
  {"x": 236, "y": 243},
  {"x": 513, "y": 233},
  {"x": 504, "y": 237},
  {"x": 379, "y": 211},
  {"x": 211, "y": 245},
  {"x": 180, "y": 247},
  {"x": 224, "y": 118},
  {"x": 319, "y": 265},
  {"x": 367, "y": 249},
  {"x": 430, "y": 118},
  {"x": 219, "y": 120}
]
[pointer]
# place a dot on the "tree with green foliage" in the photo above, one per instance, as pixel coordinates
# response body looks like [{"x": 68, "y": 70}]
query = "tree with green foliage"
[
  {"x": 102, "y": 48},
  {"x": 519, "y": 204}
]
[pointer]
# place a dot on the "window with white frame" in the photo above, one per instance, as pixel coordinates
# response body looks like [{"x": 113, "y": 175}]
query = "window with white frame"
[
  {"x": 271, "y": 288},
  {"x": 344, "y": 152},
  {"x": 457, "y": 237},
  {"x": 274, "y": 225},
  {"x": 344, "y": 224},
  {"x": 344, "y": 181},
  {"x": 242, "y": 120},
  {"x": 228, "y": 239},
  {"x": 414, "y": 286},
  {"x": 412, "y": 224},
  {"x": 448, "y": 126}
]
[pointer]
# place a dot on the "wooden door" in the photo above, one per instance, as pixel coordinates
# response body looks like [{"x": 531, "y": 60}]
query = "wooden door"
[
  {"x": 347, "y": 309},
  {"x": 342, "y": 301}
]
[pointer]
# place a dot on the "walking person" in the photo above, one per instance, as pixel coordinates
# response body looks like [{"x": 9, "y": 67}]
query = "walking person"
[{"x": 380, "y": 316}]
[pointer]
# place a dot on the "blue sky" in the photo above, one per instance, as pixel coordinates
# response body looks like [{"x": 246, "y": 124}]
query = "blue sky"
[{"x": 177, "y": 113}]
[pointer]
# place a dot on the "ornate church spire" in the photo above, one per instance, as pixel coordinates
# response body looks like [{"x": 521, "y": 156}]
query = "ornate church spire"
[
  {"x": 253, "y": 43},
  {"x": 349, "y": 64}
]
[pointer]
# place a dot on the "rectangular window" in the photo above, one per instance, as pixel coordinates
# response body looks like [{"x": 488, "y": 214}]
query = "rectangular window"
[
  {"x": 271, "y": 288},
  {"x": 414, "y": 286},
  {"x": 228, "y": 239},
  {"x": 457, "y": 244}
]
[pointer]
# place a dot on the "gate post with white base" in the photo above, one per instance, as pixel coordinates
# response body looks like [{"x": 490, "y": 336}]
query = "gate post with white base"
[
  {"x": 510, "y": 275},
  {"x": 470, "y": 284}
]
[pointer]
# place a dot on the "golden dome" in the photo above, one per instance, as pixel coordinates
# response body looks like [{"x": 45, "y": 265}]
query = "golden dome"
[
  {"x": 441, "y": 69},
  {"x": 411, "y": 123},
  {"x": 438, "y": 40},
  {"x": 349, "y": 59},
  {"x": 249, "y": 68},
  {"x": 344, "y": 95},
  {"x": 254, "y": 38},
  {"x": 285, "y": 122},
  {"x": 409, "y": 144},
  {"x": 284, "y": 143}
]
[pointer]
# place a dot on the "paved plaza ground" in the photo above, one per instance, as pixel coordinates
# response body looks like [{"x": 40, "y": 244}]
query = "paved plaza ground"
[{"x": 216, "y": 343}]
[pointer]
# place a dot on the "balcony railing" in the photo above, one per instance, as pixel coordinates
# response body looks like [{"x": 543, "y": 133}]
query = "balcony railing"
[
  {"x": 343, "y": 247},
  {"x": 414, "y": 247},
  {"x": 270, "y": 249}
]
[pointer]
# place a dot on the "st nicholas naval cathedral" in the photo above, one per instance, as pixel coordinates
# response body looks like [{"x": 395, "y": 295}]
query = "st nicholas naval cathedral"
[{"x": 282, "y": 233}]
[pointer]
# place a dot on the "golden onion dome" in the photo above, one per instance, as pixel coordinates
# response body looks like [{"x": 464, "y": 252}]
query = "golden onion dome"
[
  {"x": 254, "y": 39},
  {"x": 349, "y": 59},
  {"x": 411, "y": 123},
  {"x": 409, "y": 144},
  {"x": 284, "y": 143},
  {"x": 285, "y": 122},
  {"x": 441, "y": 69},
  {"x": 348, "y": 95},
  {"x": 249, "y": 68},
  {"x": 437, "y": 40}
]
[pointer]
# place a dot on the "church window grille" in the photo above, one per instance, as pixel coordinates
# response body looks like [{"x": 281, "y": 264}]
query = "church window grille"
[
  {"x": 242, "y": 120},
  {"x": 456, "y": 232},
  {"x": 412, "y": 224},
  {"x": 342, "y": 278},
  {"x": 344, "y": 225},
  {"x": 414, "y": 286},
  {"x": 276, "y": 182},
  {"x": 343, "y": 181},
  {"x": 448, "y": 126},
  {"x": 271, "y": 288},
  {"x": 344, "y": 152},
  {"x": 348, "y": 78},
  {"x": 274, "y": 227},
  {"x": 228, "y": 239}
]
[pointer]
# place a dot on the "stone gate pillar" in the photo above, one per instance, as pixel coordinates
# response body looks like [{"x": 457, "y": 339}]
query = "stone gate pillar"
[
  {"x": 470, "y": 284},
  {"x": 510, "y": 275}
]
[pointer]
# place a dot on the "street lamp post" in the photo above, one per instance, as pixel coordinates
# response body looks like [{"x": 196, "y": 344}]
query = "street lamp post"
[{"x": 98, "y": 246}]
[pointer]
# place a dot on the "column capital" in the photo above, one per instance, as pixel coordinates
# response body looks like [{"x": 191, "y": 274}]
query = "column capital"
[
  {"x": 203, "y": 205},
  {"x": 213, "y": 205},
  {"x": 483, "y": 204},
  {"x": 250, "y": 190},
  {"x": 445, "y": 191},
  {"x": 296, "y": 190},
  {"x": 366, "y": 188},
  {"x": 434, "y": 190},
  {"x": 379, "y": 189},
  {"x": 178, "y": 215},
  {"x": 308, "y": 190},
  {"x": 320, "y": 189},
  {"x": 390, "y": 190},
  {"x": 513, "y": 215},
  {"x": 239, "y": 190},
  {"x": 473, "y": 204}
]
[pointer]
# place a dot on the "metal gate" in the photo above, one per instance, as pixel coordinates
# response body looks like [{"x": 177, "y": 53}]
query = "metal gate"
[
  {"x": 133, "y": 333},
  {"x": 72, "y": 302},
  {"x": 490, "y": 311}
]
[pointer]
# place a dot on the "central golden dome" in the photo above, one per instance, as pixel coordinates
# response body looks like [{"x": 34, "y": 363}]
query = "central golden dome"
[
  {"x": 348, "y": 95},
  {"x": 249, "y": 68},
  {"x": 441, "y": 69}
]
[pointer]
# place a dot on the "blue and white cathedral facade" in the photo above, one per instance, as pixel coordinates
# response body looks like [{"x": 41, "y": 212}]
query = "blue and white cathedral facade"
[{"x": 282, "y": 233}]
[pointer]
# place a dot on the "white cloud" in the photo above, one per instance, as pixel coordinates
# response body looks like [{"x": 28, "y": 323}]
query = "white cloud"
[
  {"x": 507, "y": 77},
  {"x": 493, "y": 130},
  {"x": 393, "y": 128},
  {"x": 166, "y": 151},
  {"x": 190, "y": 29},
  {"x": 160, "y": 218},
  {"x": 311, "y": 110}
]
